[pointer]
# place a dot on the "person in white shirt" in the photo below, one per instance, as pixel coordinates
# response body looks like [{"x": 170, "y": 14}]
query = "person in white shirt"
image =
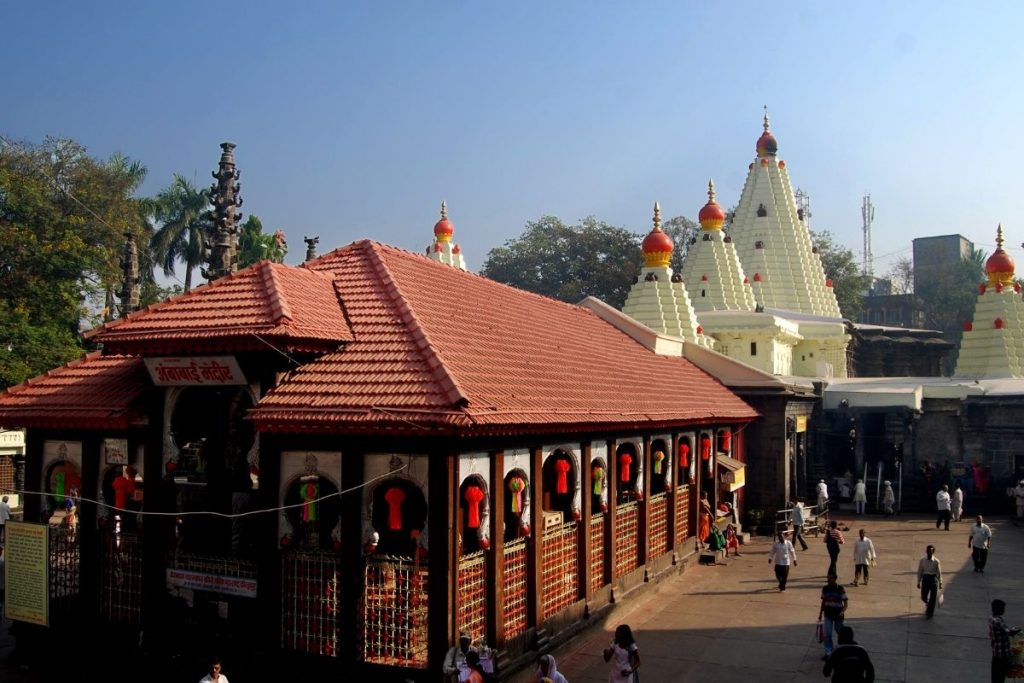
[
  {"x": 782, "y": 555},
  {"x": 929, "y": 580},
  {"x": 888, "y": 499},
  {"x": 979, "y": 540},
  {"x": 863, "y": 555},
  {"x": 215, "y": 676},
  {"x": 822, "y": 496},
  {"x": 798, "y": 516},
  {"x": 943, "y": 503},
  {"x": 1018, "y": 494},
  {"x": 860, "y": 496},
  {"x": 957, "y": 502},
  {"x": 5, "y": 514}
]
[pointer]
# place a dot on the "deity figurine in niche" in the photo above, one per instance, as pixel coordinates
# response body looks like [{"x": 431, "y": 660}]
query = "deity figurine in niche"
[
  {"x": 598, "y": 473},
  {"x": 659, "y": 468},
  {"x": 312, "y": 512}
]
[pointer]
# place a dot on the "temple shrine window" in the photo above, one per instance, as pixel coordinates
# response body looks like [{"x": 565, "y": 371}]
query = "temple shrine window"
[
  {"x": 660, "y": 462},
  {"x": 759, "y": 244},
  {"x": 398, "y": 517},
  {"x": 313, "y": 514},
  {"x": 627, "y": 460},
  {"x": 761, "y": 211},
  {"x": 687, "y": 459},
  {"x": 598, "y": 486},
  {"x": 473, "y": 504},
  {"x": 753, "y": 348},
  {"x": 517, "y": 505},
  {"x": 559, "y": 484}
]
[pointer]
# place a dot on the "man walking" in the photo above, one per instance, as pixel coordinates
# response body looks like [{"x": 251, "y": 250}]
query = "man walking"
[
  {"x": 798, "y": 516},
  {"x": 822, "y": 497},
  {"x": 833, "y": 539},
  {"x": 782, "y": 555},
  {"x": 979, "y": 539},
  {"x": 929, "y": 580},
  {"x": 999, "y": 633},
  {"x": 943, "y": 503},
  {"x": 833, "y": 610},
  {"x": 863, "y": 555},
  {"x": 849, "y": 662},
  {"x": 5, "y": 514}
]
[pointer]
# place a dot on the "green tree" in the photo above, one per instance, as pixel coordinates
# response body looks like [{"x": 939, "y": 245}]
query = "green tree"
[
  {"x": 254, "y": 245},
  {"x": 947, "y": 298},
  {"x": 848, "y": 282},
  {"x": 63, "y": 215},
  {"x": 902, "y": 276},
  {"x": 183, "y": 214},
  {"x": 569, "y": 262}
]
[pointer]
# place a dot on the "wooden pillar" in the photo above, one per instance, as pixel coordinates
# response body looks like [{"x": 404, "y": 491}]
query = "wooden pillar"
[
  {"x": 263, "y": 533},
  {"x": 583, "y": 559},
  {"x": 613, "y": 508},
  {"x": 442, "y": 472},
  {"x": 32, "y": 505},
  {"x": 643, "y": 538},
  {"x": 534, "y": 568},
  {"x": 159, "y": 496},
  {"x": 88, "y": 537},
  {"x": 496, "y": 567},
  {"x": 353, "y": 559},
  {"x": 673, "y": 499}
]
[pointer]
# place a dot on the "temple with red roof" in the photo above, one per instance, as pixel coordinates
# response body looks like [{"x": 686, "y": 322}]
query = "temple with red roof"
[{"x": 396, "y": 450}]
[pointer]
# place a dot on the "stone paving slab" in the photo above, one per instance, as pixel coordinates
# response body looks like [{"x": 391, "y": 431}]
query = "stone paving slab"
[{"x": 729, "y": 623}]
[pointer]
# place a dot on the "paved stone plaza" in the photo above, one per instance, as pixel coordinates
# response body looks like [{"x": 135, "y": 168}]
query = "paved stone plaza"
[{"x": 729, "y": 622}]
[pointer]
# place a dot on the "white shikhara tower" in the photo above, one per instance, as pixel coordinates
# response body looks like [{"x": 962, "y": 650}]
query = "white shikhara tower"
[
  {"x": 773, "y": 242},
  {"x": 712, "y": 270},
  {"x": 658, "y": 298},
  {"x": 993, "y": 343},
  {"x": 443, "y": 249}
]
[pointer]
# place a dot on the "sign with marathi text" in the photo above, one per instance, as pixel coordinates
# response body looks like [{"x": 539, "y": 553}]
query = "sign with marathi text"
[
  {"x": 26, "y": 561},
  {"x": 215, "y": 583},
  {"x": 195, "y": 371}
]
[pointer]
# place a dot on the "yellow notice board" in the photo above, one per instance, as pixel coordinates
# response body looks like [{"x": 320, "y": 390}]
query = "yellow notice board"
[
  {"x": 801, "y": 423},
  {"x": 26, "y": 560}
]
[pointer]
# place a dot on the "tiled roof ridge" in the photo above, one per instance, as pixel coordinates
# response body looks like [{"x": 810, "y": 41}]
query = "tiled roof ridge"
[
  {"x": 453, "y": 392},
  {"x": 33, "y": 381},
  {"x": 276, "y": 299}
]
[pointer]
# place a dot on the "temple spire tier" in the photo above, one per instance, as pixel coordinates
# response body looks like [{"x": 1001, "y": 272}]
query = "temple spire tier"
[{"x": 225, "y": 197}]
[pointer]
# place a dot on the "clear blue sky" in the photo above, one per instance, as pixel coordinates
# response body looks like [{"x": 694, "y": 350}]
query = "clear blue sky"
[{"x": 354, "y": 119}]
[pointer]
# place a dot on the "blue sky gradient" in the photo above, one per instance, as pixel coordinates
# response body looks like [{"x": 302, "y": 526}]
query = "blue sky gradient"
[{"x": 354, "y": 119}]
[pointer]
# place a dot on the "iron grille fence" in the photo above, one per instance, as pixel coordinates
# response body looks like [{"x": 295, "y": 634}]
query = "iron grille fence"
[
  {"x": 657, "y": 525},
  {"x": 121, "y": 578},
  {"x": 682, "y": 514},
  {"x": 471, "y": 597},
  {"x": 309, "y": 596},
  {"x": 627, "y": 536},
  {"x": 65, "y": 563},
  {"x": 515, "y": 588},
  {"x": 560, "y": 568},
  {"x": 394, "y": 619},
  {"x": 597, "y": 553}
]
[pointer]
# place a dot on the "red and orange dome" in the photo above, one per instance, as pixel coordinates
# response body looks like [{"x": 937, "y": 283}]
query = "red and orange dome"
[
  {"x": 657, "y": 246},
  {"x": 712, "y": 216},
  {"x": 443, "y": 229},
  {"x": 1000, "y": 266},
  {"x": 767, "y": 146}
]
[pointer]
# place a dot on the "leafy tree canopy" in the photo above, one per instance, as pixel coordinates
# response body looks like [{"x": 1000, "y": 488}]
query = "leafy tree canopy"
[
  {"x": 569, "y": 262},
  {"x": 947, "y": 298},
  {"x": 848, "y": 282},
  {"x": 254, "y": 245},
  {"x": 63, "y": 216},
  {"x": 681, "y": 229}
]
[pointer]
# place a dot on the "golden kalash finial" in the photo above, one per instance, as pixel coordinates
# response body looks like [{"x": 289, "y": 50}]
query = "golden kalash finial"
[
  {"x": 657, "y": 216},
  {"x": 444, "y": 210},
  {"x": 711, "y": 190},
  {"x": 766, "y": 122},
  {"x": 999, "y": 236}
]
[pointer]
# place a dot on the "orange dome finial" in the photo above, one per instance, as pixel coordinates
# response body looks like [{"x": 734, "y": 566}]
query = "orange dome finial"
[
  {"x": 711, "y": 217},
  {"x": 657, "y": 246},
  {"x": 1000, "y": 266},
  {"x": 767, "y": 146},
  {"x": 443, "y": 229}
]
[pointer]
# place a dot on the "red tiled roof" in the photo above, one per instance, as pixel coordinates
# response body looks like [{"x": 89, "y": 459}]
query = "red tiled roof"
[
  {"x": 436, "y": 347},
  {"x": 94, "y": 392},
  {"x": 294, "y": 308}
]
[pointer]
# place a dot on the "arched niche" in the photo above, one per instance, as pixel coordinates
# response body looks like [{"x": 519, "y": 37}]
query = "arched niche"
[
  {"x": 628, "y": 465},
  {"x": 398, "y": 516},
  {"x": 598, "y": 485},
  {"x": 687, "y": 458},
  {"x": 313, "y": 513},
  {"x": 517, "y": 504},
  {"x": 560, "y": 478},
  {"x": 474, "y": 504},
  {"x": 63, "y": 480},
  {"x": 661, "y": 461}
]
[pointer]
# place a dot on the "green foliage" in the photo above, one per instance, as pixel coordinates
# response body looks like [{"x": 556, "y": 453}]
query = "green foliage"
[
  {"x": 183, "y": 212},
  {"x": 902, "y": 276},
  {"x": 254, "y": 245},
  {"x": 947, "y": 298},
  {"x": 58, "y": 259},
  {"x": 848, "y": 282},
  {"x": 569, "y": 262}
]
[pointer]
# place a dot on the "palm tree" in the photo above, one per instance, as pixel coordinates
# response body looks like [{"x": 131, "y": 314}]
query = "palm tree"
[{"x": 183, "y": 213}]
